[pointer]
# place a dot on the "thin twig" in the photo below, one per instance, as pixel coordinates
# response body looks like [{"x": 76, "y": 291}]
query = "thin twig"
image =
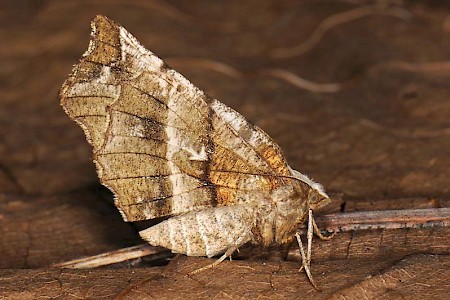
[
  {"x": 341, "y": 222},
  {"x": 334, "y": 21},
  {"x": 416, "y": 133},
  {"x": 234, "y": 73},
  {"x": 424, "y": 67},
  {"x": 385, "y": 219},
  {"x": 302, "y": 83},
  {"x": 204, "y": 63},
  {"x": 109, "y": 258}
]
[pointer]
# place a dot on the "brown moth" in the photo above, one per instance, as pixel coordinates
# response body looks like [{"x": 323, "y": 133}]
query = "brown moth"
[{"x": 165, "y": 148}]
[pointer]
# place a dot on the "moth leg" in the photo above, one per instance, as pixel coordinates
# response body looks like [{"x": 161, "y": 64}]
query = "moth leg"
[
  {"x": 242, "y": 240},
  {"x": 309, "y": 237},
  {"x": 318, "y": 232},
  {"x": 306, "y": 258}
]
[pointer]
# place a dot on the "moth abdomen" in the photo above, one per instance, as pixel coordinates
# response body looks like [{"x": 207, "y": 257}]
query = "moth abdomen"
[{"x": 207, "y": 232}]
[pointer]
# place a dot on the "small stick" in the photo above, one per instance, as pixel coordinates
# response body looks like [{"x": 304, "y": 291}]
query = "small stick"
[
  {"x": 340, "y": 222},
  {"x": 232, "y": 72},
  {"x": 210, "y": 64},
  {"x": 335, "y": 20},
  {"x": 302, "y": 83},
  {"x": 385, "y": 219},
  {"x": 109, "y": 258}
]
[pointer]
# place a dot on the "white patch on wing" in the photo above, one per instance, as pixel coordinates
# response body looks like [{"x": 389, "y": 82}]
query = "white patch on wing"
[
  {"x": 105, "y": 75},
  {"x": 197, "y": 156},
  {"x": 316, "y": 186},
  {"x": 228, "y": 115},
  {"x": 177, "y": 186},
  {"x": 138, "y": 130},
  {"x": 258, "y": 137},
  {"x": 254, "y": 138},
  {"x": 190, "y": 91},
  {"x": 162, "y": 83},
  {"x": 174, "y": 138},
  {"x": 87, "y": 88},
  {"x": 144, "y": 59}
]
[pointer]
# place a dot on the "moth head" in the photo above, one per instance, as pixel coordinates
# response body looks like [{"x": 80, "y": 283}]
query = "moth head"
[
  {"x": 316, "y": 193},
  {"x": 317, "y": 198}
]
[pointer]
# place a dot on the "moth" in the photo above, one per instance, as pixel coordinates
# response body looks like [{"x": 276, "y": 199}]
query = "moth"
[{"x": 166, "y": 149}]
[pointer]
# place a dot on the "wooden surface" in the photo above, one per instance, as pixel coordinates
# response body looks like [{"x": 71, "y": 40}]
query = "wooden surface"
[{"x": 371, "y": 123}]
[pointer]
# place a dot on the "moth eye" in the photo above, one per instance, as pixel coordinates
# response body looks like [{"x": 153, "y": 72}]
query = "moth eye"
[{"x": 313, "y": 198}]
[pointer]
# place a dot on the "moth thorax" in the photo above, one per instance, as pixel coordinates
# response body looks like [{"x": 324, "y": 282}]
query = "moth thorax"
[{"x": 292, "y": 210}]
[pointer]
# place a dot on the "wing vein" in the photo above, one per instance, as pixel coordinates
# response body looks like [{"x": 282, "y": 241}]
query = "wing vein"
[{"x": 167, "y": 197}]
